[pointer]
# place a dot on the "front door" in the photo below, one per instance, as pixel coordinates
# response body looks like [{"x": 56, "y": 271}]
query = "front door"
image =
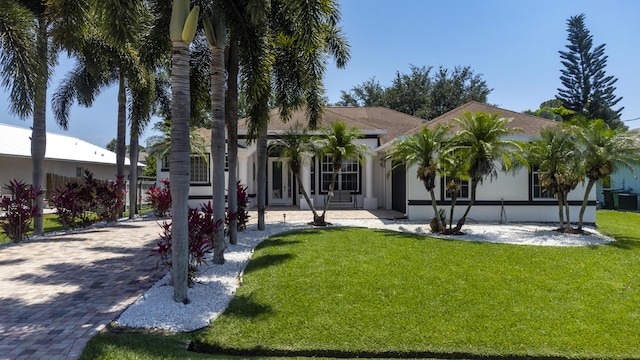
[{"x": 280, "y": 183}]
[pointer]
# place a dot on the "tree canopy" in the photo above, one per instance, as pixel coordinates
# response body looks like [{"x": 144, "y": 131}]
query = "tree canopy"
[{"x": 425, "y": 92}]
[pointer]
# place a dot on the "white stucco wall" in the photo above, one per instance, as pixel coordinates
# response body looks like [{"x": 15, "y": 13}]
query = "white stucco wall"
[{"x": 505, "y": 188}]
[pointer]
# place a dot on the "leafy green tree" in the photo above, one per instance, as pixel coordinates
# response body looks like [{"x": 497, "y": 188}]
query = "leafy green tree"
[
  {"x": 423, "y": 92},
  {"x": 556, "y": 156},
  {"x": 424, "y": 149},
  {"x": 603, "y": 152},
  {"x": 552, "y": 110},
  {"x": 54, "y": 25},
  {"x": 482, "y": 141},
  {"x": 587, "y": 89},
  {"x": 337, "y": 142},
  {"x": 152, "y": 166}
]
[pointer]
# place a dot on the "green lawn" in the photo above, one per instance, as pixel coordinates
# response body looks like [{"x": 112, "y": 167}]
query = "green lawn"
[{"x": 366, "y": 293}]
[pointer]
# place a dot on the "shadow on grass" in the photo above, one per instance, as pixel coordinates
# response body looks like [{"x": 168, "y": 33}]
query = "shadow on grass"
[
  {"x": 265, "y": 261},
  {"x": 244, "y": 306},
  {"x": 625, "y": 243}
]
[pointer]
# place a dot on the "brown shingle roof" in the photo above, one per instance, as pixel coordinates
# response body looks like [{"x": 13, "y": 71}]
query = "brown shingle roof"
[
  {"x": 364, "y": 118},
  {"x": 529, "y": 125}
]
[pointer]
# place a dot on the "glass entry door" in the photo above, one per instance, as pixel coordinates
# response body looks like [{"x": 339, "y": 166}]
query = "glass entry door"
[{"x": 280, "y": 183}]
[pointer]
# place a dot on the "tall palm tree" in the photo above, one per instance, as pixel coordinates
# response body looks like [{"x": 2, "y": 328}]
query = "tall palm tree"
[
  {"x": 55, "y": 24},
  {"x": 337, "y": 143},
  {"x": 181, "y": 31},
  {"x": 455, "y": 167},
  {"x": 110, "y": 54},
  {"x": 231, "y": 120},
  {"x": 555, "y": 154},
  {"x": 603, "y": 152},
  {"x": 283, "y": 43},
  {"x": 217, "y": 39},
  {"x": 481, "y": 139},
  {"x": 297, "y": 147},
  {"x": 423, "y": 149}
]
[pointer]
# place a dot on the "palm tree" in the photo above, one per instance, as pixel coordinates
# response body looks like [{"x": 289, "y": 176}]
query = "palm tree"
[
  {"x": 337, "y": 143},
  {"x": 55, "y": 24},
  {"x": 217, "y": 39},
  {"x": 556, "y": 157},
  {"x": 603, "y": 152},
  {"x": 423, "y": 149},
  {"x": 159, "y": 146},
  {"x": 481, "y": 140},
  {"x": 273, "y": 50},
  {"x": 181, "y": 31},
  {"x": 455, "y": 167},
  {"x": 296, "y": 145},
  {"x": 111, "y": 55}
]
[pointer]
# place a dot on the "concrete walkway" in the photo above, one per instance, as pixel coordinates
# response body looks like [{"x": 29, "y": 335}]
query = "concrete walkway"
[{"x": 58, "y": 291}]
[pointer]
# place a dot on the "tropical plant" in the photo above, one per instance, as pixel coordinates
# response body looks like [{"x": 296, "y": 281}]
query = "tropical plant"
[
  {"x": 240, "y": 217},
  {"x": 217, "y": 39},
  {"x": 32, "y": 33},
  {"x": 297, "y": 147},
  {"x": 587, "y": 89},
  {"x": 160, "y": 198},
  {"x": 19, "y": 209},
  {"x": 201, "y": 230},
  {"x": 481, "y": 141},
  {"x": 424, "y": 150},
  {"x": 556, "y": 156},
  {"x": 338, "y": 144},
  {"x": 455, "y": 168},
  {"x": 181, "y": 31},
  {"x": 603, "y": 152}
]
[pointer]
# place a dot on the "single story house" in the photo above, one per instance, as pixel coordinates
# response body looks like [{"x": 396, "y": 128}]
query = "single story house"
[
  {"x": 65, "y": 157},
  {"x": 374, "y": 184},
  {"x": 507, "y": 198},
  {"x": 623, "y": 191}
]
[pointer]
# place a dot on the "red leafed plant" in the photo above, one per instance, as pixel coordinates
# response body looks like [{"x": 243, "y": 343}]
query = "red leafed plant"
[
  {"x": 160, "y": 198},
  {"x": 242, "y": 216},
  {"x": 19, "y": 209},
  {"x": 201, "y": 230}
]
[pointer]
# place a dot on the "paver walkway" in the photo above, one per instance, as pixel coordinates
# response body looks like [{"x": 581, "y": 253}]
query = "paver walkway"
[{"x": 58, "y": 291}]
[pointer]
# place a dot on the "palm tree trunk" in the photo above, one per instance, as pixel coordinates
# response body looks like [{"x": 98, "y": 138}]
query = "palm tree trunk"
[
  {"x": 463, "y": 219},
  {"x": 231, "y": 119},
  {"x": 133, "y": 170},
  {"x": 565, "y": 197},
  {"x": 454, "y": 197},
  {"x": 434, "y": 204},
  {"x": 218, "y": 150},
  {"x": 585, "y": 201},
  {"x": 320, "y": 221},
  {"x": 305, "y": 195},
  {"x": 560, "y": 212},
  {"x": 180, "y": 169},
  {"x": 39, "y": 132},
  {"x": 121, "y": 148},
  {"x": 262, "y": 177}
]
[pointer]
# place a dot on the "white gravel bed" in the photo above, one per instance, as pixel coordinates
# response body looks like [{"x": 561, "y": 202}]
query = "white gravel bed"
[{"x": 216, "y": 284}]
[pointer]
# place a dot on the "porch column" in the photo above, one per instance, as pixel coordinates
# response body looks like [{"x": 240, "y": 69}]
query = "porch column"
[
  {"x": 305, "y": 178},
  {"x": 370, "y": 202}
]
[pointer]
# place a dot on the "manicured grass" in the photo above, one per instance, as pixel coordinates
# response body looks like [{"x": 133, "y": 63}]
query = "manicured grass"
[{"x": 360, "y": 292}]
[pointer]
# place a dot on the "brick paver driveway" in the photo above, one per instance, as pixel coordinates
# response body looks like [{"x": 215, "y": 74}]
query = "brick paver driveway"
[{"x": 56, "y": 292}]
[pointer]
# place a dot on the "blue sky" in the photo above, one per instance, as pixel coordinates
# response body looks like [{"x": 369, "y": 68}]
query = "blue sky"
[{"x": 513, "y": 44}]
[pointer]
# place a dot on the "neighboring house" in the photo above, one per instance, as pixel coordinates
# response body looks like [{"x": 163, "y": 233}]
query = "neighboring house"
[
  {"x": 364, "y": 185},
  {"x": 509, "y": 197},
  {"x": 373, "y": 184},
  {"x": 65, "y": 157},
  {"x": 625, "y": 182}
]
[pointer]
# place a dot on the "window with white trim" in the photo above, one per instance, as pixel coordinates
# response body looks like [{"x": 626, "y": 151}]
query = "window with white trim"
[
  {"x": 463, "y": 193},
  {"x": 200, "y": 169},
  {"x": 348, "y": 177},
  {"x": 537, "y": 190},
  {"x": 165, "y": 163}
]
